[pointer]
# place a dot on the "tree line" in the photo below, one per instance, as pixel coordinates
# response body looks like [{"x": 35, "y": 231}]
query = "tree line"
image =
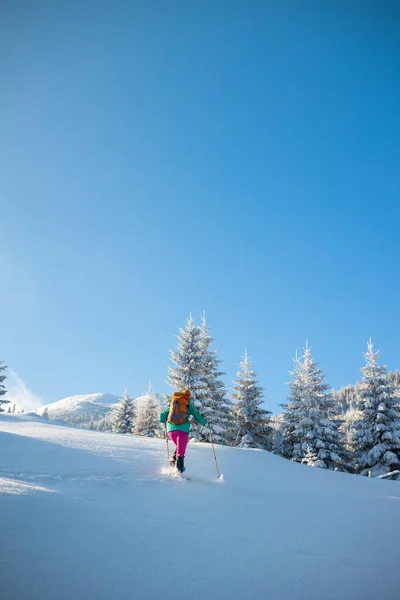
[{"x": 355, "y": 429}]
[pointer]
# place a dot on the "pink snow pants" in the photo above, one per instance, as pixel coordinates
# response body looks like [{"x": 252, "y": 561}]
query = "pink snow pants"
[{"x": 180, "y": 439}]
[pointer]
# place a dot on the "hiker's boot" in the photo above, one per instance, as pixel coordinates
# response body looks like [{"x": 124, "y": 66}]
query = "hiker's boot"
[
  {"x": 179, "y": 464},
  {"x": 172, "y": 460}
]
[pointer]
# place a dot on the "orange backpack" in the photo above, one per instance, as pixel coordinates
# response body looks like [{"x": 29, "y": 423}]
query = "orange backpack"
[{"x": 178, "y": 409}]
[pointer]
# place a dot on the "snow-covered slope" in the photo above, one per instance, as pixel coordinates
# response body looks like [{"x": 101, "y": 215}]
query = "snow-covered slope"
[
  {"x": 89, "y": 515},
  {"x": 89, "y": 404}
]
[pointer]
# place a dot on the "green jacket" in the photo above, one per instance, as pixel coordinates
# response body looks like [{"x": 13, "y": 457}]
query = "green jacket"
[{"x": 192, "y": 410}]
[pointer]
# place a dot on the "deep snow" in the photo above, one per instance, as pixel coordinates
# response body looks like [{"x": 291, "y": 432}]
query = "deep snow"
[{"x": 88, "y": 515}]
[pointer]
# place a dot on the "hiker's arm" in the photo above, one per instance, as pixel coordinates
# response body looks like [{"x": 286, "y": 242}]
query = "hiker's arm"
[
  {"x": 164, "y": 415},
  {"x": 199, "y": 418}
]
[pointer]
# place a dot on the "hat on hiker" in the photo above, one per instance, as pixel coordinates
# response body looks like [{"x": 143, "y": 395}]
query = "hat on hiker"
[{"x": 187, "y": 393}]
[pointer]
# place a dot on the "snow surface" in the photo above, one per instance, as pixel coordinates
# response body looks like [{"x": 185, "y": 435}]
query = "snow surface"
[
  {"x": 81, "y": 404},
  {"x": 89, "y": 515}
]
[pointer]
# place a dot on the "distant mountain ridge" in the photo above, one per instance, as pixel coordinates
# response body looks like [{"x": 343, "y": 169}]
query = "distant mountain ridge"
[{"x": 87, "y": 410}]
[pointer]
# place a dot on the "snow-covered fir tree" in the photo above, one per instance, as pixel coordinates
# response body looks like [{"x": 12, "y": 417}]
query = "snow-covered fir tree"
[
  {"x": 376, "y": 436},
  {"x": 251, "y": 420},
  {"x": 290, "y": 414},
  {"x": 147, "y": 413},
  {"x": 345, "y": 398},
  {"x": 310, "y": 457},
  {"x": 346, "y": 427},
  {"x": 216, "y": 406},
  {"x": 395, "y": 377},
  {"x": 276, "y": 422},
  {"x": 3, "y": 390},
  {"x": 104, "y": 423},
  {"x": 189, "y": 369},
  {"x": 122, "y": 415},
  {"x": 45, "y": 413},
  {"x": 345, "y": 401},
  {"x": 309, "y": 418}
]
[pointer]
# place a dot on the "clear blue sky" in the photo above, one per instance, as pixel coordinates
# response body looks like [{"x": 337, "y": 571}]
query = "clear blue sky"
[{"x": 161, "y": 158}]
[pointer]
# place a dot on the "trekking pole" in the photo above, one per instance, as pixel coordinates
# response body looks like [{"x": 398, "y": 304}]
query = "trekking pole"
[
  {"x": 219, "y": 476},
  {"x": 166, "y": 440}
]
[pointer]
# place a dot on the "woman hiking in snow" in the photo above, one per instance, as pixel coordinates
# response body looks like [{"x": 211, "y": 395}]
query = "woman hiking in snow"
[{"x": 176, "y": 415}]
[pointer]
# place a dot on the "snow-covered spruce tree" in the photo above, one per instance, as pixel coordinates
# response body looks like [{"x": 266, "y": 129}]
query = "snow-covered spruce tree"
[
  {"x": 395, "y": 377},
  {"x": 310, "y": 457},
  {"x": 346, "y": 428},
  {"x": 3, "y": 390},
  {"x": 188, "y": 371},
  {"x": 147, "y": 413},
  {"x": 345, "y": 401},
  {"x": 376, "y": 436},
  {"x": 252, "y": 422},
  {"x": 122, "y": 415},
  {"x": 345, "y": 398},
  {"x": 45, "y": 413},
  {"x": 216, "y": 407},
  {"x": 276, "y": 422},
  {"x": 310, "y": 417},
  {"x": 290, "y": 411},
  {"x": 104, "y": 423}
]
